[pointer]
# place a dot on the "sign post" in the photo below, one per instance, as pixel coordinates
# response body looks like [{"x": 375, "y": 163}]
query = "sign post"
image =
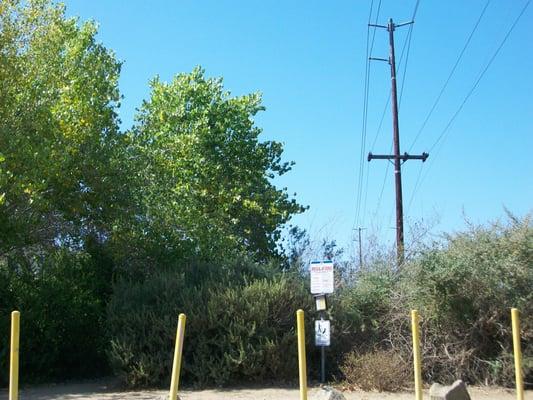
[{"x": 322, "y": 283}]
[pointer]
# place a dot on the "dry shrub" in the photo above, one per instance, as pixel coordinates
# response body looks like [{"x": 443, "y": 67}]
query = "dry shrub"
[
  {"x": 464, "y": 291},
  {"x": 381, "y": 370}
]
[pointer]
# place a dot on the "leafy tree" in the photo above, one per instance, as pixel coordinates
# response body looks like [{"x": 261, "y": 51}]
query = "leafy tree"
[
  {"x": 62, "y": 185},
  {"x": 59, "y": 139},
  {"x": 205, "y": 176},
  {"x": 78, "y": 198}
]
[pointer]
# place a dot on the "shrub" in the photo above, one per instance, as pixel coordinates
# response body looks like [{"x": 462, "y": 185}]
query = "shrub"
[
  {"x": 238, "y": 329},
  {"x": 464, "y": 291},
  {"x": 357, "y": 311},
  {"x": 62, "y": 305},
  {"x": 381, "y": 370},
  {"x": 464, "y": 287}
]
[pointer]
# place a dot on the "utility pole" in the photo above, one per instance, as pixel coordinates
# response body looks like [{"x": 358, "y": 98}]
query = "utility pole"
[
  {"x": 397, "y": 157},
  {"x": 360, "y": 249}
]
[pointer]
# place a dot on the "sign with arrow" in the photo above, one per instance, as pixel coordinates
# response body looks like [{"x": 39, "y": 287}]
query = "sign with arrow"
[{"x": 322, "y": 332}]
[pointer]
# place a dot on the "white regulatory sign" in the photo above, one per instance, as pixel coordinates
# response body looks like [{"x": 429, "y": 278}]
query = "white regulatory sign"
[
  {"x": 321, "y": 277},
  {"x": 322, "y": 333}
]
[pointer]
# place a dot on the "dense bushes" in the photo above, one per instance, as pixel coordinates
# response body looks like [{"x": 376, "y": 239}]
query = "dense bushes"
[
  {"x": 464, "y": 288},
  {"x": 241, "y": 321},
  {"x": 62, "y": 304},
  {"x": 465, "y": 291},
  {"x": 240, "y": 326}
]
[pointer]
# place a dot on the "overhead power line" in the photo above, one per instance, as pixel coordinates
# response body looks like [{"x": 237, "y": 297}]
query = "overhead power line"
[
  {"x": 450, "y": 75},
  {"x": 476, "y": 83},
  {"x": 406, "y": 45},
  {"x": 439, "y": 96},
  {"x": 408, "y": 41},
  {"x": 470, "y": 92},
  {"x": 369, "y": 48}
]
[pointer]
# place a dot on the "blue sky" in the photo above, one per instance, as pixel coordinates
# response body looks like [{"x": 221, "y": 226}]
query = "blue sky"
[{"x": 308, "y": 60}]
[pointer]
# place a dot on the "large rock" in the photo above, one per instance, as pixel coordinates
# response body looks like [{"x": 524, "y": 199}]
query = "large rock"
[
  {"x": 456, "y": 391},
  {"x": 328, "y": 393}
]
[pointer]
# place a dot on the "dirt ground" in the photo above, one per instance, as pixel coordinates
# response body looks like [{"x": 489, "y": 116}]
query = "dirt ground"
[{"x": 105, "y": 391}]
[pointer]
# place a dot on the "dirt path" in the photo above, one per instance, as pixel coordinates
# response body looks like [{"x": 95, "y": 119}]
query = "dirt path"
[{"x": 102, "y": 391}]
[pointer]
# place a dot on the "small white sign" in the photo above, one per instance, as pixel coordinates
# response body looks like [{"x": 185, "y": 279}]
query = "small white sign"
[
  {"x": 322, "y": 333},
  {"x": 321, "y": 277}
]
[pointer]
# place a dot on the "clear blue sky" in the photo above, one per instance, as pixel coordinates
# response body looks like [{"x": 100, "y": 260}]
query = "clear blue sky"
[{"x": 308, "y": 60}]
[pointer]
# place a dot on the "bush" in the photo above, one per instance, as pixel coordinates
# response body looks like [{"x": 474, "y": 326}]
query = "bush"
[
  {"x": 62, "y": 305},
  {"x": 464, "y": 292},
  {"x": 238, "y": 328},
  {"x": 463, "y": 288},
  {"x": 379, "y": 370},
  {"x": 357, "y": 310}
]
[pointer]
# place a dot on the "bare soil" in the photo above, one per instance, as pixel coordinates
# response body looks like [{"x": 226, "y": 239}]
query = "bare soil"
[{"x": 106, "y": 391}]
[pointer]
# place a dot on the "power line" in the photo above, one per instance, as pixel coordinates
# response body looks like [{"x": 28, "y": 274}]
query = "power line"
[
  {"x": 367, "y": 170},
  {"x": 365, "y": 110},
  {"x": 366, "y": 194},
  {"x": 381, "y": 122},
  {"x": 384, "y": 182},
  {"x": 363, "y": 128},
  {"x": 450, "y": 75},
  {"x": 414, "y": 189},
  {"x": 476, "y": 83},
  {"x": 406, "y": 42},
  {"x": 447, "y": 127},
  {"x": 436, "y": 102}
]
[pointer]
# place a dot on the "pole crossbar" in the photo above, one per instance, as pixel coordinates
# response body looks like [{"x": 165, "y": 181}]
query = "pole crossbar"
[{"x": 403, "y": 157}]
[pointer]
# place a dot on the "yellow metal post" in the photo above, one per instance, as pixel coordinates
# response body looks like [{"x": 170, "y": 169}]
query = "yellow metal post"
[
  {"x": 416, "y": 354},
  {"x": 176, "y": 365},
  {"x": 301, "y": 354},
  {"x": 14, "y": 357},
  {"x": 517, "y": 354}
]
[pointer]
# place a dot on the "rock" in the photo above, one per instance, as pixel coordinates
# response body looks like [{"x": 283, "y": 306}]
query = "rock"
[
  {"x": 456, "y": 391},
  {"x": 328, "y": 393}
]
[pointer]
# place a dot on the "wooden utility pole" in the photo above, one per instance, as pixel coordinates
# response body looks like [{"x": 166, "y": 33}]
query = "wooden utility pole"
[
  {"x": 397, "y": 157},
  {"x": 360, "y": 249}
]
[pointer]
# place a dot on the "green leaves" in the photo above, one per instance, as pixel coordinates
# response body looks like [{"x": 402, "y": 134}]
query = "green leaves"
[
  {"x": 58, "y": 126},
  {"x": 190, "y": 181},
  {"x": 205, "y": 170},
  {"x": 237, "y": 329}
]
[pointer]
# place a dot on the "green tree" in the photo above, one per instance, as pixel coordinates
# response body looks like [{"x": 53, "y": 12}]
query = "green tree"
[
  {"x": 205, "y": 175},
  {"x": 59, "y": 141},
  {"x": 63, "y": 192}
]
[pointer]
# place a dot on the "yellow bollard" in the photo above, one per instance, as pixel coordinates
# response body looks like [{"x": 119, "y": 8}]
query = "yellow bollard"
[
  {"x": 14, "y": 357},
  {"x": 416, "y": 354},
  {"x": 176, "y": 365},
  {"x": 301, "y": 354},
  {"x": 517, "y": 354}
]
